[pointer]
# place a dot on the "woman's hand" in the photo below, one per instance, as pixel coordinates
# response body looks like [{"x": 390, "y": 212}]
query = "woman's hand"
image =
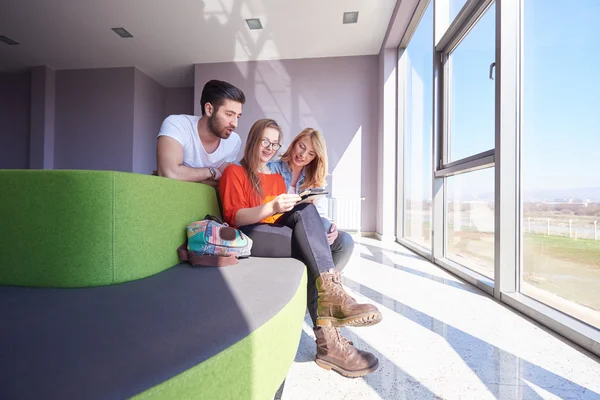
[
  {"x": 284, "y": 202},
  {"x": 332, "y": 234}
]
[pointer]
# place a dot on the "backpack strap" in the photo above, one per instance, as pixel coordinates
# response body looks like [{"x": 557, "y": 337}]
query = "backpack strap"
[
  {"x": 206, "y": 261},
  {"x": 214, "y": 218}
]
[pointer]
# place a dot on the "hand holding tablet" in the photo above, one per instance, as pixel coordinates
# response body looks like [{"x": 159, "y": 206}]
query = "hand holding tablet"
[{"x": 308, "y": 195}]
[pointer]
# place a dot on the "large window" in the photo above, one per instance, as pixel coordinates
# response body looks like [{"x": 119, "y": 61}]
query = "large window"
[
  {"x": 560, "y": 150},
  {"x": 470, "y": 138},
  {"x": 418, "y": 58},
  {"x": 470, "y": 221},
  {"x": 500, "y": 145},
  {"x": 471, "y": 102}
]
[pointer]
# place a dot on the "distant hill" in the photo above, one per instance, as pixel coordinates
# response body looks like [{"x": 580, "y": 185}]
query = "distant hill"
[
  {"x": 591, "y": 193},
  {"x": 549, "y": 195}
]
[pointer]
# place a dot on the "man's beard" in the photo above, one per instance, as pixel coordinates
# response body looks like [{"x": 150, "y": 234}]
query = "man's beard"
[{"x": 216, "y": 129}]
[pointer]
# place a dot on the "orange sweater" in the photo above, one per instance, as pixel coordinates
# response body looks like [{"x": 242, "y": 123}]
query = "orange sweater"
[{"x": 236, "y": 192}]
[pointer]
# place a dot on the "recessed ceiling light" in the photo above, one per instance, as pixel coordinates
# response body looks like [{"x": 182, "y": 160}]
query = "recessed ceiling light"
[
  {"x": 350, "y": 17},
  {"x": 122, "y": 32},
  {"x": 8, "y": 40},
  {"x": 254, "y": 23}
]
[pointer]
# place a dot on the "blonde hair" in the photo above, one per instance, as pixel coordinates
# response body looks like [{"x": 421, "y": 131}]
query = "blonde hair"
[
  {"x": 315, "y": 172},
  {"x": 251, "y": 159}
]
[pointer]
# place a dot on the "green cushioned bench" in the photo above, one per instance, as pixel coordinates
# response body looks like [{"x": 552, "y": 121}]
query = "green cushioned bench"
[{"x": 95, "y": 304}]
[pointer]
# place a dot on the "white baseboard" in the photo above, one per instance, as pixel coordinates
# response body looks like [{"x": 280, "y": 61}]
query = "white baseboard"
[
  {"x": 371, "y": 235},
  {"x": 385, "y": 238},
  {"x": 363, "y": 234},
  {"x": 374, "y": 235}
]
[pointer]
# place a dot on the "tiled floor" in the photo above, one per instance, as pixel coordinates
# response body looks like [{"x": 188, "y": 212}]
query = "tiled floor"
[{"x": 441, "y": 339}]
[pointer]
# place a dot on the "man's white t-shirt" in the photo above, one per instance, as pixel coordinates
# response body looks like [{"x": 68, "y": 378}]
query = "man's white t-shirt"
[{"x": 184, "y": 129}]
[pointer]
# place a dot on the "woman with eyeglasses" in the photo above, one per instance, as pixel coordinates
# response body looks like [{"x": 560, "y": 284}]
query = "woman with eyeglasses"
[
  {"x": 304, "y": 166},
  {"x": 256, "y": 201}
]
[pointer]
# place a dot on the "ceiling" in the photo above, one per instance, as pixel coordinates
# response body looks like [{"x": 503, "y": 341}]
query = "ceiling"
[{"x": 171, "y": 36}]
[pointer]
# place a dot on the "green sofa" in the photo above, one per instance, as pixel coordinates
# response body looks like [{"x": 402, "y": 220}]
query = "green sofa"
[{"x": 94, "y": 303}]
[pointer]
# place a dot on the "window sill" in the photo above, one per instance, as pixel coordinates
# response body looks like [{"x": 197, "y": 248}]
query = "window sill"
[{"x": 579, "y": 332}]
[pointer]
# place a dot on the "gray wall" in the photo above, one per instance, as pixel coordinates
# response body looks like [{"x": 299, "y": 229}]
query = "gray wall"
[
  {"x": 109, "y": 118},
  {"x": 179, "y": 101},
  {"x": 105, "y": 119},
  {"x": 15, "y": 105},
  {"x": 94, "y": 119},
  {"x": 43, "y": 96},
  {"x": 336, "y": 95},
  {"x": 148, "y": 110}
]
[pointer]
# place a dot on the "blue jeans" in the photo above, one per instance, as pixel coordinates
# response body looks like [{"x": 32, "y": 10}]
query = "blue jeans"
[{"x": 341, "y": 248}]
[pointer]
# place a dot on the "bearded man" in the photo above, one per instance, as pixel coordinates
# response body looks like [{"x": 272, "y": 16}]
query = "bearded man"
[{"x": 198, "y": 149}]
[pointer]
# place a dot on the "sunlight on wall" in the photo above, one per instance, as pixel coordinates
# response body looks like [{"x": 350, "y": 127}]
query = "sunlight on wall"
[
  {"x": 415, "y": 190},
  {"x": 278, "y": 99},
  {"x": 221, "y": 10},
  {"x": 386, "y": 184},
  {"x": 347, "y": 175},
  {"x": 268, "y": 50},
  {"x": 249, "y": 44},
  {"x": 244, "y": 69},
  {"x": 273, "y": 87},
  {"x": 252, "y": 44},
  {"x": 278, "y": 90}
]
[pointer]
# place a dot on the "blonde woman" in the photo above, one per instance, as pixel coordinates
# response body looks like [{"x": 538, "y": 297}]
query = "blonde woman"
[
  {"x": 255, "y": 200},
  {"x": 304, "y": 166}
]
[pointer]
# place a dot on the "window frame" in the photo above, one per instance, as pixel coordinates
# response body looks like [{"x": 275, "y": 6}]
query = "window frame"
[
  {"x": 402, "y": 69},
  {"x": 505, "y": 158}
]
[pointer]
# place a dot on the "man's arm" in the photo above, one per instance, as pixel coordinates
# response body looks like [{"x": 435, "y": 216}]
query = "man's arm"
[
  {"x": 222, "y": 167},
  {"x": 169, "y": 159}
]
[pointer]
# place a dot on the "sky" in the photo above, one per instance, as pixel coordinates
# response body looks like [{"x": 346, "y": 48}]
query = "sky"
[
  {"x": 560, "y": 103},
  {"x": 561, "y": 130}
]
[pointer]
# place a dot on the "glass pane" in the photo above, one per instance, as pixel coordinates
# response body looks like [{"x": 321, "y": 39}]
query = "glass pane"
[
  {"x": 472, "y": 100},
  {"x": 418, "y": 132},
  {"x": 470, "y": 220},
  {"x": 560, "y": 149},
  {"x": 455, "y": 6}
]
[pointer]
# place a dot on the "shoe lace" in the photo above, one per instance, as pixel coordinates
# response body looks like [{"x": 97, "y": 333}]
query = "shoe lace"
[
  {"x": 336, "y": 279},
  {"x": 342, "y": 342}
]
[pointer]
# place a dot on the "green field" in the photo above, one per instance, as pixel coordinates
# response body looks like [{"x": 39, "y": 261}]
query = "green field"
[
  {"x": 480, "y": 246},
  {"x": 566, "y": 267},
  {"x": 569, "y": 268},
  {"x": 561, "y": 248}
]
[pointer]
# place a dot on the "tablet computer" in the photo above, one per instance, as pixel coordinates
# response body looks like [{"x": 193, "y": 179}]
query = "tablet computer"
[{"x": 312, "y": 194}]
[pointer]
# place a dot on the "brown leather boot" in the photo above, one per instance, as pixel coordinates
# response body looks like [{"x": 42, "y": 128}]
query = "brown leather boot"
[
  {"x": 336, "y": 308},
  {"x": 336, "y": 352}
]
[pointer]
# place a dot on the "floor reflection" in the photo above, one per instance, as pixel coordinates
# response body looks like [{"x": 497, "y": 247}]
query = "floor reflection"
[{"x": 441, "y": 338}]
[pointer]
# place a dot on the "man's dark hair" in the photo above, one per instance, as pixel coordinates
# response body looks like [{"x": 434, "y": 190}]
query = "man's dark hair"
[{"x": 216, "y": 92}]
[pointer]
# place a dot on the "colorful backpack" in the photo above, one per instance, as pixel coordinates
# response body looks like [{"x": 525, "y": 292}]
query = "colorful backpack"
[{"x": 211, "y": 242}]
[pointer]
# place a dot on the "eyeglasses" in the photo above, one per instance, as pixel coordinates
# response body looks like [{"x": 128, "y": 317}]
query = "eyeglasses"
[{"x": 266, "y": 143}]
